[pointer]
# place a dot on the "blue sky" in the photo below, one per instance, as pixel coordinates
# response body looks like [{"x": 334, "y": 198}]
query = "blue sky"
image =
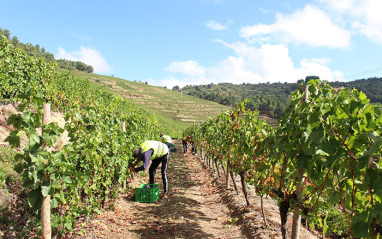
[{"x": 193, "y": 42}]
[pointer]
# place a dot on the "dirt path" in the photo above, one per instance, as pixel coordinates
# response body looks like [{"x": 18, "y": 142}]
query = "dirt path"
[{"x": 198, "y": 207}]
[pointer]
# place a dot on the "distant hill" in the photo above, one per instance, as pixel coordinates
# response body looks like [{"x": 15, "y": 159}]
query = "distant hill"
[
  {"x": 272, "y": 99},
  {"x": 174, "y": 110},
  {"x": 372, "y": 87}
]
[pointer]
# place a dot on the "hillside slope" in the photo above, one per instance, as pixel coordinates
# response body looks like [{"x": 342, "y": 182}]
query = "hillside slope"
[{"x": 174, "y": 111}]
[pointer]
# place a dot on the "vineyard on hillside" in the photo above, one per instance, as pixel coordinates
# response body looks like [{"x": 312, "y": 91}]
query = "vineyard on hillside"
[
  {"x": 174, "y": 111},
  {"x": 323, "y": 161},
  {"x": 82, "y": 176}
]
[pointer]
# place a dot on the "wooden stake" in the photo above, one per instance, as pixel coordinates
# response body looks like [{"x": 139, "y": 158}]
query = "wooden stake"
[
  {"x": 227, "y": 177},
  {"x": 124, "y": 130},
  {"x": 46, "y": 230},
  {"x": 296, "y": 223}
]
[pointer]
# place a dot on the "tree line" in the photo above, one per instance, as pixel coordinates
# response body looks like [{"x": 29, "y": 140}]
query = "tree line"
[
  {"x": 272, "y": 99},
  {"x": 40, "y": 52}
]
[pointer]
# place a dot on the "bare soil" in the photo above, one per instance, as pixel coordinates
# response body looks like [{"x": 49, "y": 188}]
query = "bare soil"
[{"x": 198, "y": 206}]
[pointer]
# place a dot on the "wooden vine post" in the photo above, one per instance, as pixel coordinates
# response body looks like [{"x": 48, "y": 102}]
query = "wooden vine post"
[
  {"x": 227, "y": 184},
  {"x": 299, "y": 187},
  {"x": 46, "y": 230},
  {"x": 124, "y": 130}
]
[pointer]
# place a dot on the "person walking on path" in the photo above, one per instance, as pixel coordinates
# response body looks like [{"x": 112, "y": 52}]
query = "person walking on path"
[
  {"x": 158, "y": 153},
  {"x": 166, "y": 140},
  {"x": 185, "y": 143}
]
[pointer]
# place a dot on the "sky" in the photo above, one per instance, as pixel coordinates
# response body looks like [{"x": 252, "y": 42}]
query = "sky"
[{"x": 195, "y": 42}]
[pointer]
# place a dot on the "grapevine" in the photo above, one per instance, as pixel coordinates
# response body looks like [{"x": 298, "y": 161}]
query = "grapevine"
[
  {"x": 330, "y": 138},
  {"x": 83, "y": 176}
]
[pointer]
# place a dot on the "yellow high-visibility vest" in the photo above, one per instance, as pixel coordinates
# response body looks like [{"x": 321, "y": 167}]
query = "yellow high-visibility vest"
[
  {"x": 159, "y": 148},
  {"x": 167, "y": 139}
]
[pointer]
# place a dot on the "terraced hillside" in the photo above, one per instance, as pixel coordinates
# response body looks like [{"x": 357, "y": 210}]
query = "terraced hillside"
[{"x": 174, "y": 111}]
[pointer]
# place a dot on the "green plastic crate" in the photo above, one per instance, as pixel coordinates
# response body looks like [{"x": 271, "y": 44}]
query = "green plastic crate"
[
  {"x": 173, "y": 150},
  {"x": 144, "y": 194}
]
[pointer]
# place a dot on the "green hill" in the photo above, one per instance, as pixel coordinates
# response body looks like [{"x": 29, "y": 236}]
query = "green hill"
[
  {"x": 174, "y": 111},
  {"x": 272, "y": 99}
]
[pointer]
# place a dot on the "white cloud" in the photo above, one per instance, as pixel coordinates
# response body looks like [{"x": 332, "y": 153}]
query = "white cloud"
[
  {"x": 171, "y": 81},
  {"x": 263, "y": 10},
  {"x": 370, "y": 31},
  {"x": 316, "y": 67},
  {"x": 310, "y": 26},
  {"x": 340, "y": 5},
  {"x": 268, "y": 63},
  {"x": 189, "y": 68},
  {"x": 258, "y": 29},
  {"x": 214, "y": 25},
  {"x": 364, "y": 15},
  {"x": 88, "y": 56}
]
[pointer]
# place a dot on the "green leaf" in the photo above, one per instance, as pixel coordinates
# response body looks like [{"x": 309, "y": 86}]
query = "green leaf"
[
  {"x": 374, "y": 136},
  {"x": 317, "y": 134},
  {"x": 361, "y": 225},
  {"x": 40, "y": 101},
  {"x": 19, "y": 168},
  {"x": 50, "y": 139},
  {"x": 13, "y": 139},
  {"x": 28, "y": 183},
  {"x": 16, "y": 120},
  {"x": 68, "y": 226},
  {"x": 322, "y": 153},
  {"x": 67, "y": 179},
  {"x": 45, "y": 188},
  {"x": 362, "y": 96},
  {"x": 34, "y": 139},
  {"x": 54, "y": 203},
  {"x": 54, "y": 183},
  {"x": 35, "y": 198},
  {"x": 22, "y": 107}
]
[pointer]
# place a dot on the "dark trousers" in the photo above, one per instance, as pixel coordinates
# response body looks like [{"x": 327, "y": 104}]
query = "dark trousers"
[
  {"x": 154, "y": 165},
  {"x": 184, "y": 146},
  {"x": 193, "y": 148},
  {"x": 169, "y": 146}
]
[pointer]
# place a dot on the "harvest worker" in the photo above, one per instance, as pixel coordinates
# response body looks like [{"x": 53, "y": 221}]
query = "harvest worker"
[
  {"x": 158, "y": 153},
  {"x": 166, "y": 140},
  {"x": 185, "y": 142}
]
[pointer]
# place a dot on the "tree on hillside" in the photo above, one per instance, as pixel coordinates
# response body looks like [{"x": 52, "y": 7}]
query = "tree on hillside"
[
  {"x": 38, "y": 51},
  {"x": 15, "y": 41},
  {"x": 6, "y": 33}
]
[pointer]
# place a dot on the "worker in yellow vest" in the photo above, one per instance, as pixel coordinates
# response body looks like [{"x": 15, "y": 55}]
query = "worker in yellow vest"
[
  {"x": 158, "y": 153},
  {"x": 166, "y": 140}
]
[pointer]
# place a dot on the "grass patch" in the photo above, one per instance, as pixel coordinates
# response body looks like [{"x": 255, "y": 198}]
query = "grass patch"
[
  {"x": 12, "y": 194},
  {"x": 8, "y": 175}
]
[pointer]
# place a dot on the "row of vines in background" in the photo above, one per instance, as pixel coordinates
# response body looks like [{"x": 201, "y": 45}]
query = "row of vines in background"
[
  {"x": 84, "y": 174},
  {"x": 323, "y": 160}
]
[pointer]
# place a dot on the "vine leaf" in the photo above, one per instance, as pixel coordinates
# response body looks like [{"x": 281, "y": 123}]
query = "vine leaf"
[
  {"x": 45, "y": 188},
  {"x": 34, "y": 198},
  {"x": 13, "y": 139}
]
